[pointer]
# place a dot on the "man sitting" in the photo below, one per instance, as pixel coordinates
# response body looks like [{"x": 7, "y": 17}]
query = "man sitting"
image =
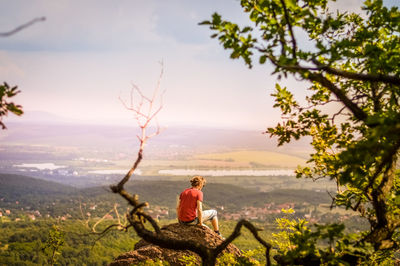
[{"x": 189, "y": 208}]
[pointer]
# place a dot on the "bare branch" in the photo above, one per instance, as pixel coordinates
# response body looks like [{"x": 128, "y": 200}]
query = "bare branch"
[
  {"x": 101, "y": 219},
  {"x": 84, "y": 221},
  {"x": 108, "y": 228},
  {"x": 143, "y": 97},
  {"x": 136, "y": 110},
  {"x": 338, "y": 113},
  {"x": 155, "y": 93},
  {"x": 21, "y": 27},
  {"x": 143, "y": 120},
  {"x": 319, "y": 104},
  {"x": 117, "y": 214},
  {"x": 154, "y": 114}
]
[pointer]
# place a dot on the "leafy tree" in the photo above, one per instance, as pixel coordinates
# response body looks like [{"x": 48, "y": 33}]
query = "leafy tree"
[
  {"x": 298, "y": 244},
  {"x": 54, "y": 243},
  {"x": 352, "y": 63},
  {"x": 7, "y": 92}
]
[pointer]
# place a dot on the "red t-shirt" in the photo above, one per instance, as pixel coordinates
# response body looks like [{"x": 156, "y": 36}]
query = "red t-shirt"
[{"x": 188, "y": 204}]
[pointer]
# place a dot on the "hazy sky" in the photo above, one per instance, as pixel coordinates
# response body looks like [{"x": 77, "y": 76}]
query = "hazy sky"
[{"x": 87, "y": 53}]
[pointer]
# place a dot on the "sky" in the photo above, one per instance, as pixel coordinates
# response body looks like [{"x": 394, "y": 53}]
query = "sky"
[{"x": 87, "y": 54}]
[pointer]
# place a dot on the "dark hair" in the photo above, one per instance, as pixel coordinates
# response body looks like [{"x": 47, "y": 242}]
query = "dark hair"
[{"x": 197, "y": 181}]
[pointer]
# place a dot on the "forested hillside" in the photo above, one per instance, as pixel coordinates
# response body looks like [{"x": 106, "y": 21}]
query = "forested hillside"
[
  {"x": 19, "y": 187},
  {"x": 21, "y": 193},
  {"x": 25, "y": 234}
]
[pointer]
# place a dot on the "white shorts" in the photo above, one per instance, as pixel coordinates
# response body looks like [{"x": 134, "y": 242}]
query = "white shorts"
[{"x": 208, "y": 215}]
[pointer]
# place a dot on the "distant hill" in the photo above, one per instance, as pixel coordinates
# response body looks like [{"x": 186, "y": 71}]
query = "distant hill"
[
  {"x": 165, "y": 193},
  {"x": 22, "y": 188},
  {"x": 20, "y": 194},
  {"x": 61, "y": 133},
  {"x": 56, "y": 199}
]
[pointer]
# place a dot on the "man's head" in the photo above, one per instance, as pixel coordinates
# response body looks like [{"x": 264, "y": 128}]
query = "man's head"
[{"x": 198, "y": 182}]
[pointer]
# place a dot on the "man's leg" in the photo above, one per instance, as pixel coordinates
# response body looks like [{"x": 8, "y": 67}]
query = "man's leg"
[
  {"x": 211, "y": 215},
  {"x": 214, "y": 223}
]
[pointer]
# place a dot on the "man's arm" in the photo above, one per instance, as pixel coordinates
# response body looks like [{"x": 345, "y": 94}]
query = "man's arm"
[{"x": 200, "y": 212}]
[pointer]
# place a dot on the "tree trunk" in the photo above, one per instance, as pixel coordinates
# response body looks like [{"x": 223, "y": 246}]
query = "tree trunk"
[{"x": 208, "y": 261}]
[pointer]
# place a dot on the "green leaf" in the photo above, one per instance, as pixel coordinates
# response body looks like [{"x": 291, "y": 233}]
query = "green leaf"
[{"x": 263, "y": 58}]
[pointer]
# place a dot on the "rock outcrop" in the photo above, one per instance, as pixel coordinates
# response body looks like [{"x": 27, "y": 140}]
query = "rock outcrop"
[{"x": 144, "y": 251}]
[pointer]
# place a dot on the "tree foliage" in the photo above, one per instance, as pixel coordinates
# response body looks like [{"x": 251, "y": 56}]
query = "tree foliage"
[
  {"x": 7, "y": 92},
  {"x": 54, "y": 243},
  {"x": 352, "y": 65},
  {"x": 28, "y": 242}
]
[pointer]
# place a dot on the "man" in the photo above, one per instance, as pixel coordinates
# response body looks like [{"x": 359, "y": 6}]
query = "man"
[{"x": 189, "y": 208}]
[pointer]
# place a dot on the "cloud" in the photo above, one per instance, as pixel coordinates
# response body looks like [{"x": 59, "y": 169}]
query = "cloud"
[{"x": 179, "y": 20}]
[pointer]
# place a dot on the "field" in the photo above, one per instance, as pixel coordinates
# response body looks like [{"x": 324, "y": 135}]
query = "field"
[
  {"x": 232, "y": 160},
  {"x": 254, "y": 158}
]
